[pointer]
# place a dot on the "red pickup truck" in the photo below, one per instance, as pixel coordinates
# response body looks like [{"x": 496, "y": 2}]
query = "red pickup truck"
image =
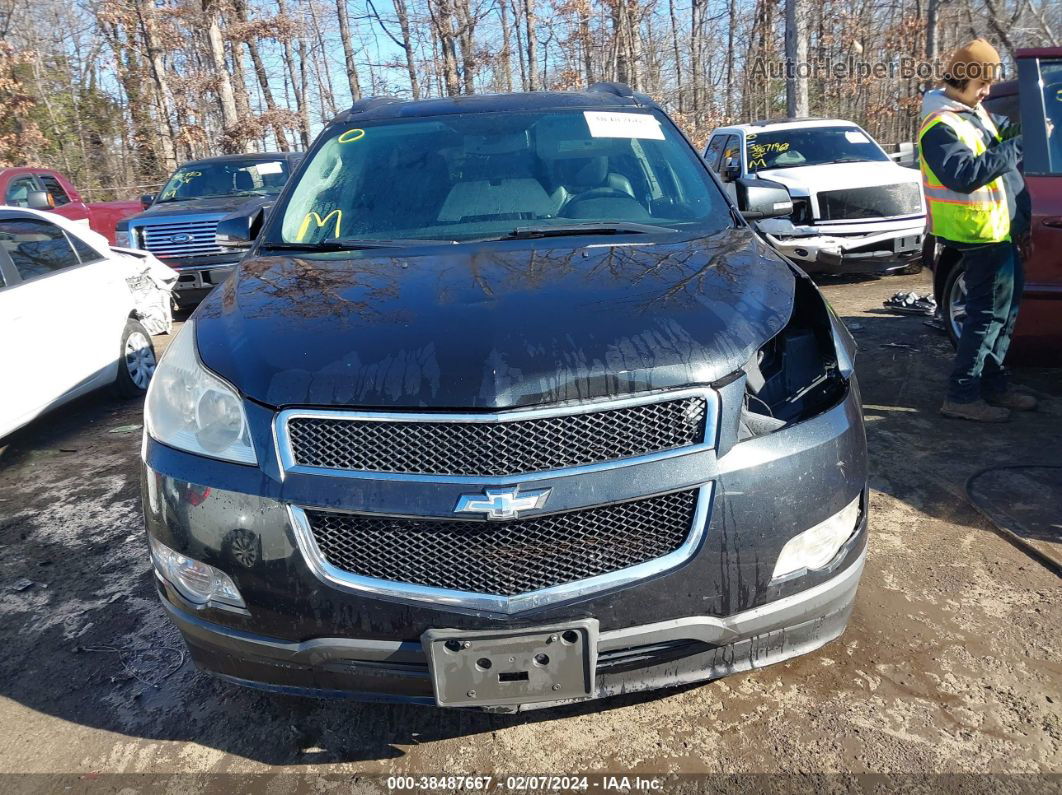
[{"x": 44, "y": 189}]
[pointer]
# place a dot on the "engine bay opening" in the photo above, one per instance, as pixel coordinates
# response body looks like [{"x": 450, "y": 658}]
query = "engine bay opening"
[{"x": 795, "y": 375}]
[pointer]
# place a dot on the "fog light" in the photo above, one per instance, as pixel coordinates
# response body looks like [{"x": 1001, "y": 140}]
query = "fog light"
[
  {"x": 196, "y": 581},
  {"x": 817, "y": 546}
]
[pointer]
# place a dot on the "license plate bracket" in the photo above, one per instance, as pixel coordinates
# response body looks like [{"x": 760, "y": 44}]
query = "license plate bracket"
[
  {"x": 906, "y": 243},
  {"x": 517, "y": 666}
]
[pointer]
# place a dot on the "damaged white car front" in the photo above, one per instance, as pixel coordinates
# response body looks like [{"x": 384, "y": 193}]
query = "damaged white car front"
[
  {"x": 841, "y": 224},
  {"x": 854, "y": 209}
]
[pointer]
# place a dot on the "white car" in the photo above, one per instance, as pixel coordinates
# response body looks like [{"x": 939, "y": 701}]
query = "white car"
[
  {"x": 68, "y": 318},
  {"x": 854, "y": 209}
]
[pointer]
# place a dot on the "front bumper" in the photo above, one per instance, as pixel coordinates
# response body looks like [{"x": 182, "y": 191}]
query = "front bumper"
[
  {"x": 195, "y": 281},
  {"x": 716, "y": 613},
  {"x": 638, "y": 658},
  {"x": 874, "y": 253}
]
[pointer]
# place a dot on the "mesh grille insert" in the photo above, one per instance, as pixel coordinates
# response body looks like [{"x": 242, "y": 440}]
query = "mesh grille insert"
[
  {"x": 509, "y": 557},
  {"x": 501, "y": 448},
  {"x": 881, "y": 201}
]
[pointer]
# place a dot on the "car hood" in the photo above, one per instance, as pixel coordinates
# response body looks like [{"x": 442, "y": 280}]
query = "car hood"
[
  {"x": 497, "y": 326},
  {"x": 214, "y": 204},
  {"x": 835, "y": 176}
]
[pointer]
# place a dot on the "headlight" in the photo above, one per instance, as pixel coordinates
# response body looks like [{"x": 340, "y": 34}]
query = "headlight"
[
  {"x": 192, "y": 409},
  {"x": 123, "y": 239},
  {"x": 197, "y": 582},
  {"x": 816, "y": 547}
]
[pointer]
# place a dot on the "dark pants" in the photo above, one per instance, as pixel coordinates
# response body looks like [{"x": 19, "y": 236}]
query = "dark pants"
[{"x": 994, "y": 283}]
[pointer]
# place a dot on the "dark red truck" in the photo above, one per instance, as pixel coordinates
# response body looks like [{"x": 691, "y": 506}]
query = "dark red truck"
[
  {"x": 45, "y": 189},
  {"x": 1034, "y": 99}
]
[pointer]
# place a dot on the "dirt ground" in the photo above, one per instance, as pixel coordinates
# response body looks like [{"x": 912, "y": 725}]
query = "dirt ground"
[{"x": 952, "y": 661}]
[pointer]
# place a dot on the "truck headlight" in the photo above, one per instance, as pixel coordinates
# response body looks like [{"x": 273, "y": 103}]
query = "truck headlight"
[
  {"x": 190, "y": 408},
  {"x": 819, "y": 545},
  {"x": 123, "y": 239},
  {"x": 196, "y": 581}
]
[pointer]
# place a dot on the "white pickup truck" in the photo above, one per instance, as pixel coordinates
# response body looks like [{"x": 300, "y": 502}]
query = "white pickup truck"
[{"x": 854, "y": 209}]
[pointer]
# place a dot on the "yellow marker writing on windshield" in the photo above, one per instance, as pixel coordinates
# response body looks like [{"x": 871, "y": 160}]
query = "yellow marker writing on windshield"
[
  {"x": 319, "y": 221},
  {"x": 350, "y": 136}
]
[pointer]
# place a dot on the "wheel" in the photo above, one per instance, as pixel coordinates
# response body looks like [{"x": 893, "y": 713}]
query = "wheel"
[
  {"x": 136, "y": 362},
  {"x": 953, "y": 307}
]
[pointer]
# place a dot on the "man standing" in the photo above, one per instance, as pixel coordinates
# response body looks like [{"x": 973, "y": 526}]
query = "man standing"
[{"x": 977, "y": 205}]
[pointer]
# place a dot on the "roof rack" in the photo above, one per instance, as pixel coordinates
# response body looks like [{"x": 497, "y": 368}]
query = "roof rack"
[
  {"x": 619, "y": 89},
  {"x": 368, "y": 103}
]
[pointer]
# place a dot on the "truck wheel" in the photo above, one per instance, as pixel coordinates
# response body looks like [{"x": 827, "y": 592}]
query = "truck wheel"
[
  {"x": 953, "y": 306},
  {"x": 136, "y": 361}
]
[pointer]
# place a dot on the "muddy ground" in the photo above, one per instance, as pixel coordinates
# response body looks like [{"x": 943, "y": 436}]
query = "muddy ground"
[{"x": 951, "y": 662}]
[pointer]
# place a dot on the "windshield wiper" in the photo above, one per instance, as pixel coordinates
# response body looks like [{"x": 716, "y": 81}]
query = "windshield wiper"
[
  {"x": 355, "y": 244},
  {"x": 565, "y": 230}
]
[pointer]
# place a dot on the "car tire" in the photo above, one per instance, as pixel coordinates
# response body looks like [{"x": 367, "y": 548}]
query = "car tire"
[
  {"x": 953, "y": 303},
  {"x": 136, "y": 361},
  {"x": 910, "y": 269}
]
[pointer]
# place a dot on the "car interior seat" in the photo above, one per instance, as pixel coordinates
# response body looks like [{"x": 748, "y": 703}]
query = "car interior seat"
[
  {"x": 496, "y": 187},
  {"x": 591, "y": 190}
]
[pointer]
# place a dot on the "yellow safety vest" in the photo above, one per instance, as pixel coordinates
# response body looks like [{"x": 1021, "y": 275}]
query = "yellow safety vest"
[{"x": 978, "y": 217}]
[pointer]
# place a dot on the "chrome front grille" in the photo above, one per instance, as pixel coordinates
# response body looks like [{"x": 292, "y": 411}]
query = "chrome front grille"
[
  {"x": 505, "y": 558},
  {"x": 495, "y": 445},
  {"x": 193, "y": 238}
]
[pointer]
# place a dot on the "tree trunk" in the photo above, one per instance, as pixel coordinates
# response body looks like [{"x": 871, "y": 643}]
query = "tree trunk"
[
  {"x": 240, "y": 7},
  {"x": 796, "y": 56},
  {"x": 520, "y": 49},
  {"x": 348, "y": 50},
  {"x": 731, "y": 24},
  {"x": 678, "y": 56},
  {"x": 297, "y": 88},
  {"x": 506, "y": 53},
  {"x": 587, "y": 40},
  {"x": 697, "y": 8},
  {"x": 403, "y": 22},
  {"x": 443, "y": 20},
  {"x": 222, "y": 82},
  {"x": 466, "y": 22},
  {"x": 532, "y": 45},
  {"x": 132, "y": 78},
  {"x": 146, "y": 13}
]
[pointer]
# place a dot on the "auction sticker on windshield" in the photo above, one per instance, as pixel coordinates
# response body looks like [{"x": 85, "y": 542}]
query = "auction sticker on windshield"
[
  {"x": 273, "y": 167},
  {"x": 623, "y": 125}
]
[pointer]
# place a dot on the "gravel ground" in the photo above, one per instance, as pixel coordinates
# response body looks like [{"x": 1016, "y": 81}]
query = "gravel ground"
[{"x": 950, "y": 663}]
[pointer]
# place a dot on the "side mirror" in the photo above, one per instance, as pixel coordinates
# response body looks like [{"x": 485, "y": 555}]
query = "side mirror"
[
  {"x": 240, "y": 229},
  {"x": 39, "y": 200},
  {"x": 146, "y": 200},
  {"x": 731, "y": 170},
  {"x": 762, "y": 198}
]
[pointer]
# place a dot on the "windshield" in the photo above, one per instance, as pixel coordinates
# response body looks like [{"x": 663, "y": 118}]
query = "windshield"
[
  {"x": 811, "y": 146},
  {"x": 229, "y": 178},
  {"x": 491, "y": 175}
]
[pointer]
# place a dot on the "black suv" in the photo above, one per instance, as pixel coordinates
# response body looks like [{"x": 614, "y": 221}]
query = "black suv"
[{"x": 505, "y": 406}]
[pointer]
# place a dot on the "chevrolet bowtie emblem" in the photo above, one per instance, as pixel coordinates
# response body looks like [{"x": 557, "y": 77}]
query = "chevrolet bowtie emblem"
[{"x": 502, "y": 503}]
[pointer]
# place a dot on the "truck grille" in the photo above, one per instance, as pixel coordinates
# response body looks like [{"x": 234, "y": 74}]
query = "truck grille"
[
  {"x": 881, "y": 201},
  {"x": 194, "y": 238},
  {"x": 505, "y": 558},
  {"x": 510, "y": 447}
]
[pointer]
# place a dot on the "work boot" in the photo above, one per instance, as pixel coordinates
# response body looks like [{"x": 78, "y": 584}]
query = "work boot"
[
  {"x": 1013, "y": 399},
  {"x": 978, "y": 411}
]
